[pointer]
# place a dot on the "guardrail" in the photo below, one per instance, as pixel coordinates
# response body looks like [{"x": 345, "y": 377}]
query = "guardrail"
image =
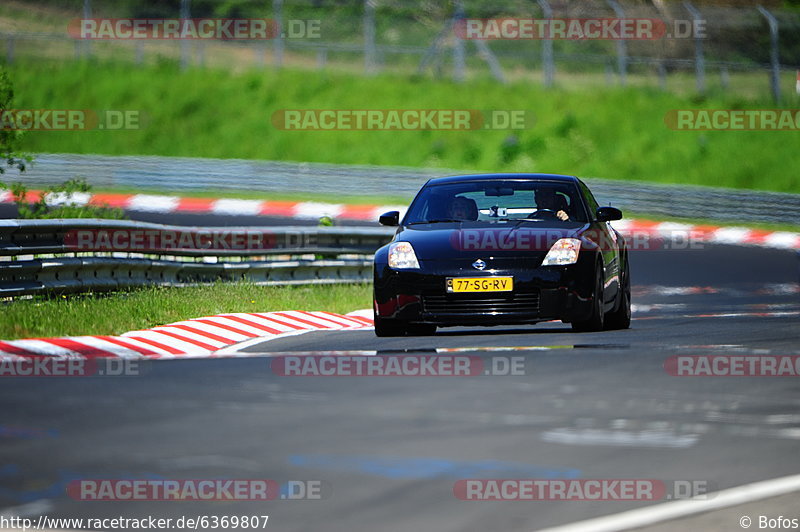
[
  {"x": 78, "y": 255},
  {"x": 182, "y": 173}
]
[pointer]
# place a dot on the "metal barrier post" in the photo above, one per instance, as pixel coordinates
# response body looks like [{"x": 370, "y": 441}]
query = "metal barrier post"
[
  {"x": 87, "y": 13},
  {"x": 699, "y": 60},
  {"x": 370, "y": 61},
  {"x": 622, "y": 50},
  {"x": 459, "y": 65},
  {"x": 547, "y": 48},
  {"x": 775, "y": 63},
  {"x": 277, "y": 46},
  {"x": 185, "y": 14}
]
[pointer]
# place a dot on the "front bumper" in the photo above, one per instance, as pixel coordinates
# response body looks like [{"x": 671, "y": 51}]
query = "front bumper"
[{"x": 540, "y": 294}]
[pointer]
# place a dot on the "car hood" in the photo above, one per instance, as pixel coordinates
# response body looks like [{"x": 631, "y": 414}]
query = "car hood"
[{"x": 465, "y": 240}]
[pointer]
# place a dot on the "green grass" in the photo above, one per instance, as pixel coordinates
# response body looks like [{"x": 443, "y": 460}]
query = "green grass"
[
  {"x": 119, "y": 312},
  {"x": 594, "y": 132}
]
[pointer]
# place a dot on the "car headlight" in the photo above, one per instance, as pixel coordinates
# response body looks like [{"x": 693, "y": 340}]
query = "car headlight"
[
  {"x": 564, "y": 251},
  {"x": 402, "y": 256}
]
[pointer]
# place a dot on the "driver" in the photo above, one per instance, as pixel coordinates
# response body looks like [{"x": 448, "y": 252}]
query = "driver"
[
  {"x": 547, "y": 199},
  {"x": 461, "y": 208}
]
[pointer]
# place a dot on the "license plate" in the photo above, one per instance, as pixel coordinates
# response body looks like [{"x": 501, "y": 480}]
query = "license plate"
[{"x": 480, "y": 284}]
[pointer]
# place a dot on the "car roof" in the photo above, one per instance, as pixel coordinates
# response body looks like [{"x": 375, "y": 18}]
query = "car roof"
[{"x": 484, "y": 177}]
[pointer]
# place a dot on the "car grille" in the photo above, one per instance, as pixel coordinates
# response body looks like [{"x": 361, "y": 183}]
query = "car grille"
[{"x": 466, "y": 305}]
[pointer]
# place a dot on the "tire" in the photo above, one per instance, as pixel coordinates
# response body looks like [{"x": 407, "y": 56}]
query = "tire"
[
  {"x": 387, "y": 328},
  {"x": 595, "y": 321},
  {"x": 621, "y": 318}
]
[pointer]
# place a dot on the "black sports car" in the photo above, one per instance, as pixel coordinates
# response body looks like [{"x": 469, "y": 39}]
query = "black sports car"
[{"x": 502, "y": 249}]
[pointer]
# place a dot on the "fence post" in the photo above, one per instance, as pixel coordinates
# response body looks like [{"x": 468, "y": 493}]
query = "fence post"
[
  {"x": 622, "y": 49},
  {"x": 87, "y": 13},
  {"x": 775, "y": 78},
  {"x": 459, "y": 64},
  {"x": 547, "y": 48},
  {"x": 369, "y": 37},
  {"x": 277, "y": 46},
  {"x": 185, "y": 14},
  {"x": 699, "y": 60}
]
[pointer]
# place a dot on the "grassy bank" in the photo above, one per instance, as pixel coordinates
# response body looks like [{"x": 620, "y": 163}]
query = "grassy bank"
[
  {"x": 119, "y": 312},
  {"x": 605, "y": 132}
]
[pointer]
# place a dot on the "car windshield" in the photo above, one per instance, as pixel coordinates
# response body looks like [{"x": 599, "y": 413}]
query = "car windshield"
[{"x": 496, "y": 201}]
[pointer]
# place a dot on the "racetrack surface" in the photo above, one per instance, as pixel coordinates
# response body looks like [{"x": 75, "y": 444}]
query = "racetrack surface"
[{"x": 389, "y": 449}]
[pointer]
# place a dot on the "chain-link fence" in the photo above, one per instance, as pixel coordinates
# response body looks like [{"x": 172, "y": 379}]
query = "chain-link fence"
[{"x": 697, "y": 46}]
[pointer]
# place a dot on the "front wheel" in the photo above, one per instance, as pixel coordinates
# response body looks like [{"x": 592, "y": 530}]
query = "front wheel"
[
  {"x": 621, "y": 318},
  {"x": 595, "y": 320}
]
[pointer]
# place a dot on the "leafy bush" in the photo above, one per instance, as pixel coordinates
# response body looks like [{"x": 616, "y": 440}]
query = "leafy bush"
[
  {"x": 10, "y": 139},
  {"x": 68, "y": 205}
]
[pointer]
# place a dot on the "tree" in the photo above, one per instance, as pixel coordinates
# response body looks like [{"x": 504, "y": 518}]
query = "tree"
[{"x": 10, "y": 156}]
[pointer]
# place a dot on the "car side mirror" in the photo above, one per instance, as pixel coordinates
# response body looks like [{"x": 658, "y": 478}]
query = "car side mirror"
[
  {"x": 608, "y": 214},
  {"x": 391, "y": 218}
]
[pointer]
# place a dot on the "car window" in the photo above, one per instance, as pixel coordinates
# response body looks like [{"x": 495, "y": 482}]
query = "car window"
[
  {"x": 495, "y": 200},
  {"x": 592, "y": 203}
]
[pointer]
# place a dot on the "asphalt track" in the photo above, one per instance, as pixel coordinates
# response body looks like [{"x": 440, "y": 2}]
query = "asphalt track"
[{"x": 388, "y": 450}]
